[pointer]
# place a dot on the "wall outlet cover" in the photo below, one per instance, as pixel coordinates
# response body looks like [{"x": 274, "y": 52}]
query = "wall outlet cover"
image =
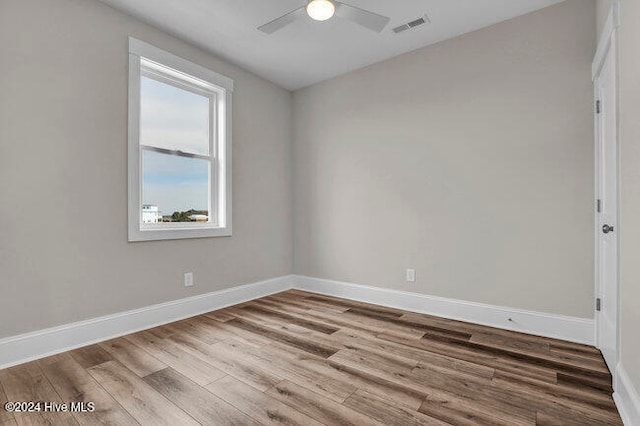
[
  {"x": 188, "y": 279},
  {"x": 411, "y": 275}
]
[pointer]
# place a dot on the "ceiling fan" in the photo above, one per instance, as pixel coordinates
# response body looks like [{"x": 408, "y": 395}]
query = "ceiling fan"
[{"x": 321, "y": 10}]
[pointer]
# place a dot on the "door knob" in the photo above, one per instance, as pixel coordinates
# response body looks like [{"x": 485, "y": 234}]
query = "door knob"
[{"x": 607, "y": 228}]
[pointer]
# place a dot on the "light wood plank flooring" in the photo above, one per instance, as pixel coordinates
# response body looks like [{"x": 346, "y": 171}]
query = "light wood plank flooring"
[{"x": 307, "y": 359}]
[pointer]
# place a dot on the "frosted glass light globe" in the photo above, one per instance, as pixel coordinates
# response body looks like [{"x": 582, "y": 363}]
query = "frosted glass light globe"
[{"x": 321, "y": 10}]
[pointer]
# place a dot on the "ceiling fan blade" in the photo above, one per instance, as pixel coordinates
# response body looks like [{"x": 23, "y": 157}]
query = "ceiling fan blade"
[
  {"x": 367, "y": 19},
  {"x": 283, "y": 21}
]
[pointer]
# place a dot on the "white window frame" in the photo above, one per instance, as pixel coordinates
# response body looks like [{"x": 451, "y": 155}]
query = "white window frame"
[{"x": 147, "y": 60}]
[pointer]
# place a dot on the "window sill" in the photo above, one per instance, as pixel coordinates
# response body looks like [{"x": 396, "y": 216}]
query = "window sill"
[{"x": 177, "y": 233}]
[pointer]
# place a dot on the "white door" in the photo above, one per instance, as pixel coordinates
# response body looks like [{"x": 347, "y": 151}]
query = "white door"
[{"x": 607, "y": 205}]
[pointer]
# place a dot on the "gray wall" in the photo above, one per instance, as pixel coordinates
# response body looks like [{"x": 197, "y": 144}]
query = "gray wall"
[
  {"x": 64, "y": 254},
  {"x": 470, "y": 160},
  {"x": 630, "y": 184},
  {"x": 438, "y": 159},
  {"x": 630, "y": 187}
]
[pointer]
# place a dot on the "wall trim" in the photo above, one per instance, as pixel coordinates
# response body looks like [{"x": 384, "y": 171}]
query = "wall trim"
[
  {"x": 38, "y": 344},
  {"x": 574, "y": 329},
  {"x": 27, "y": 347},
  {"x": 611, "y": 24},
  {"x": 626, "y": 398}
]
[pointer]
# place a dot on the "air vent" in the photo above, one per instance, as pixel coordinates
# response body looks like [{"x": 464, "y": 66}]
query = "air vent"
[
  {"x": 409, "y": 25},
  {"x": 416, "y": 22},
  {"x": 401, "y": 28}
]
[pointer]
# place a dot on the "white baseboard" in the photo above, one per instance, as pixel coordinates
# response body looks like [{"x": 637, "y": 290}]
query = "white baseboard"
[
  {"x": 580, "y": 330},
  {"x": 626, "y": 398},
  {"x": 30, "y": 346}
]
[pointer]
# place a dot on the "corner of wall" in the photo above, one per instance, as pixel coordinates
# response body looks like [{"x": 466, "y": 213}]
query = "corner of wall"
[{"x": 626, "y": 398}]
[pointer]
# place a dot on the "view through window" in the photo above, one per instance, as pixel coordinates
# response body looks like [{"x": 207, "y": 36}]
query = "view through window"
[{"x": 175, "y": 138}]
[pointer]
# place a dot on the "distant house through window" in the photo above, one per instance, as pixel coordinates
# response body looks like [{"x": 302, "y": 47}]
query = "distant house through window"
[
  {"x": 179, "y": 147},
  {"x": 151, "y": 214}
]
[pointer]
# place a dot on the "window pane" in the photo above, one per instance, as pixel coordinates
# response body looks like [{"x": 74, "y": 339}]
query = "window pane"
[
  {"x": 173, "y": 118},
  {"x": 177, "y": 187}
]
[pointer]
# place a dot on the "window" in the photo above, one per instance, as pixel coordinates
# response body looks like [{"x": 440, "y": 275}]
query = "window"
[{"x": 179, "y": 147}]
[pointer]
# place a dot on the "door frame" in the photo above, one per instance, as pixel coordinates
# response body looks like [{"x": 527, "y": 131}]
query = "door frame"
[{"x": 608, "y": 40}]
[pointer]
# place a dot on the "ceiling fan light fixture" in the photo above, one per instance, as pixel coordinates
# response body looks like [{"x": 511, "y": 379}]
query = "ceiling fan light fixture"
[{"x": 321, "y": 10}]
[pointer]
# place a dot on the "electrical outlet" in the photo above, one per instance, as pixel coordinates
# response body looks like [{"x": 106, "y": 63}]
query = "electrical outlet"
[
  {"x": 411, "y": 275},
  {"x": 188, "y": 279}
]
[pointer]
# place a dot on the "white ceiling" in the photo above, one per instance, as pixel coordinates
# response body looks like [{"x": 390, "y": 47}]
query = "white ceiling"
[{"x": 307, "y": 51}]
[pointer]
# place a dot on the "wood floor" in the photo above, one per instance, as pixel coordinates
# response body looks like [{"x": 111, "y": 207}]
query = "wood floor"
[{"x": 302, "y": 358}]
